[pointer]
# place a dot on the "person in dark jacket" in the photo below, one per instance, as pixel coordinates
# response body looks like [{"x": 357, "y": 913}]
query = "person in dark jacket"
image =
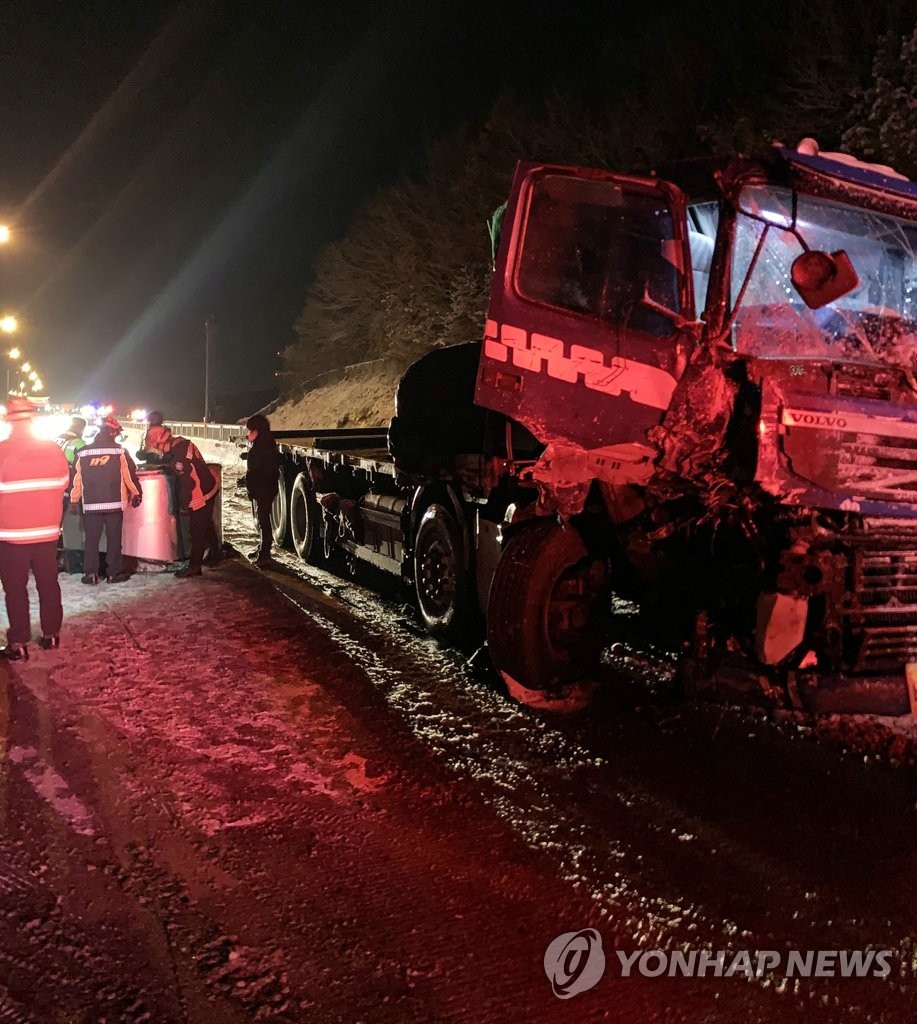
[
  {"x": 105, "y": 481},
  {"x": 197, "y": 494},
  {"x": 262, "y": 479}
]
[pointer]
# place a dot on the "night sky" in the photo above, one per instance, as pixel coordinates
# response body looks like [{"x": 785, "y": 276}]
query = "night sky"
[{"x": 164, "y": 162}]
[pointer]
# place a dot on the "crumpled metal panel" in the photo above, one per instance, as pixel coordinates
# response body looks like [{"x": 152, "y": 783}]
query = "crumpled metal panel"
[
  {"x": 564, "y": 473},
  {"x": 692, "y": 434}
]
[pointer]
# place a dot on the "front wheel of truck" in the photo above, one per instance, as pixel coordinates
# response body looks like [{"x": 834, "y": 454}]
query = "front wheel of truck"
[{"x": 544, "y": 626}]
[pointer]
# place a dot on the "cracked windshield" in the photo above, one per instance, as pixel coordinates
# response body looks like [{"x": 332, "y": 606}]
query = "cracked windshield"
[{"x": 876, "y": 322}]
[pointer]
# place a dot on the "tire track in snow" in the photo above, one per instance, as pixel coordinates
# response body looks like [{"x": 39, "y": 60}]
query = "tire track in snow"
[
  {"x": 51, "y": 787},
  {"x": 527, "y": 792},
  {"x": 544, "y": 823}
]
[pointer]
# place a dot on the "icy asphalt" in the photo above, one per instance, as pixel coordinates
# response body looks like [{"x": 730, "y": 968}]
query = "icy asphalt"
[{"x": 266, "y": 796}]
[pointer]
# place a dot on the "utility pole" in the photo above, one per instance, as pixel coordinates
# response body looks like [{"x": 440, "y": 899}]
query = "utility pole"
[{"x": 210, "y": 330}]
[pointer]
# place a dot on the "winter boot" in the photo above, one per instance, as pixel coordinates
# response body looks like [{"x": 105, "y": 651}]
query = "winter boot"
[
  {"x": 49, "y": 643},
  {"x": 15, "y": 652},
  {"x": 90, "y": 578}
]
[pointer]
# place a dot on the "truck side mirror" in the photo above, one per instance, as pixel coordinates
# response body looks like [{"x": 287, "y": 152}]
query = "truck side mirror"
[{"x": 822, "y": 277}]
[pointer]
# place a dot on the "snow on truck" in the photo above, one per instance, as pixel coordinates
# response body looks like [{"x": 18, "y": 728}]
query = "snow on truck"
[{"x": 695, "y": 390}]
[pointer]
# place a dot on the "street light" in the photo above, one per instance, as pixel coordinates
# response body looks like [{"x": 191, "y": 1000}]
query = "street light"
[
  {"x": 210, "y": 331},
  {"x": 13, "y": 354},
  {"x": 26, "y": 367},
  {"x": 9, "y": 324},
  {"x": 4, "y": 234}
]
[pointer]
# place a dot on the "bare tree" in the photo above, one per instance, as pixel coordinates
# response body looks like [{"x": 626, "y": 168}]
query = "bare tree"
[{"x": 885, "y": 114}]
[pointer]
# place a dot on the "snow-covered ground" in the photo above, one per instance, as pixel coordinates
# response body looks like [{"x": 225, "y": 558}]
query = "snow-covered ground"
[{"x": 270, "y": 796}]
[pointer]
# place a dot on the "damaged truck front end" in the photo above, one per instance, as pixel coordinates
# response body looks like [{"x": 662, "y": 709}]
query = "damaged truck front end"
[
  {"x": 813, "y": 320},
  {"x": 721, "y": 385}
]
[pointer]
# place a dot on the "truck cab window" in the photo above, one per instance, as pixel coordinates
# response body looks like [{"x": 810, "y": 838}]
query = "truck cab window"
[
  {"x": 590, "y": 247},
  {"x": 703, "y": 219},
  {"x": 877, "y": 320}
]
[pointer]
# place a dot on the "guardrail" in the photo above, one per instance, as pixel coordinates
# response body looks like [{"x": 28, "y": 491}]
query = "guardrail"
[{"x": 210, "y": 431}]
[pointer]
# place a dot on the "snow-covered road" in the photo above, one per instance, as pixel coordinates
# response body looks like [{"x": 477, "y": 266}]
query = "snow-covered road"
[{"x": 269, "y": 796}]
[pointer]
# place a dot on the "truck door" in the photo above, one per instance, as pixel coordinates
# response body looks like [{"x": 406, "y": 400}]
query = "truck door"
[{"x": 572, "y": 350}]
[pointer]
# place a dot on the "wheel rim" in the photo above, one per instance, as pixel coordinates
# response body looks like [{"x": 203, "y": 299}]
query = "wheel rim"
[
  {"x": 436, "y": 578},
  {"x": 569, "y": 618}
]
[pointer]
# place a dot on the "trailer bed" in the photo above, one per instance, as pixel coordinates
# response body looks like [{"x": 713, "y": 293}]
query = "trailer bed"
[{"x": 364, "y": 449}]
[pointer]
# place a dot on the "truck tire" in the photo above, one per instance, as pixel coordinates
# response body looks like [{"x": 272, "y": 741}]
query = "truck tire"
[
  {"x": 543, "y": 625},
  {"x": 280, "y": 514},
  {"x": 305, "y": 517},
  {"x": 440, "y": 576}
]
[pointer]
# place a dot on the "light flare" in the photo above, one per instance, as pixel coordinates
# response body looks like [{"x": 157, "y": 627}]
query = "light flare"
[{"x": 49, "y": 427}]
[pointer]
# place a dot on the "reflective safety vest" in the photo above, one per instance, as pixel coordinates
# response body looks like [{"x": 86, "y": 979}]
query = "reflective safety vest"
[
  {"x": 34, "y": 475},
  {"x": 196, "y": 483},
  {"x": 106, "y": 477},
  {"x": 70, "y": 444}
]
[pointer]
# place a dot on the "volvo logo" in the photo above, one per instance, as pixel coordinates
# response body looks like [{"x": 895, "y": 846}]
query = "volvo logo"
[{"x": 815, "y": 419}]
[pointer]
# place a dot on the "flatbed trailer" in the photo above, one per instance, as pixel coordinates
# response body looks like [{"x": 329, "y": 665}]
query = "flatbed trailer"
[{"x": 314, "y": 521}]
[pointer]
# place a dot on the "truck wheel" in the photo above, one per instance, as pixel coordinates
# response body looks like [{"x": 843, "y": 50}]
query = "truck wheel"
[
  {"x": 305, "y": 517},
  {"x": 280, "y": 514},
  {"x": 543, "y": 624},
  {"x": 440, "y": 577}
]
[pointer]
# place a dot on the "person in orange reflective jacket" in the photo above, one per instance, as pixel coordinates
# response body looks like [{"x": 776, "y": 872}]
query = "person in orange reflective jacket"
[
  {"x": 34, "y": 474},
  {"x": 197, "y": 494}
]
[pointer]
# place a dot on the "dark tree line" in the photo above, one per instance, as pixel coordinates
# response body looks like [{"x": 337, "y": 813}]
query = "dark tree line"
[{"x": 413, "y": 270}]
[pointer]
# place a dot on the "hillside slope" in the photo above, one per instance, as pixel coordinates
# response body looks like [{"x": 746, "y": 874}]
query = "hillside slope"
[{"x": 358, "y": 397}]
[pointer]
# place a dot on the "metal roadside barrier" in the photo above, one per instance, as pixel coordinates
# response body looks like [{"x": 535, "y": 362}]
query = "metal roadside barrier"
[{"x": 209, "y": 431}]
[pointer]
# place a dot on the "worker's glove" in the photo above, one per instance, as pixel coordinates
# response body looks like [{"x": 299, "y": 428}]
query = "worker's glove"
[
  {"x": 135, "y": 501},
  {"x": 74, "y": 509}
]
